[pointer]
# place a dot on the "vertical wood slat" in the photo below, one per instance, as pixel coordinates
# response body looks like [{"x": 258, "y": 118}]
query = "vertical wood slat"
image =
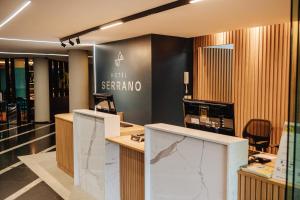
[
  {"x": 131, "y": 174},
  {"x": 259, "y": 74},
  {"x": 252, "y": 189},
  {"x": 255, "y": 187},
  {"x": 215, "y": 79}
]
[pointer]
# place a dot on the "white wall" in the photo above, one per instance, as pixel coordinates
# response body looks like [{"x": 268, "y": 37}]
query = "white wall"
[
  {"x": 41, "y": 90},
  {"x": 78, "y": 80}
]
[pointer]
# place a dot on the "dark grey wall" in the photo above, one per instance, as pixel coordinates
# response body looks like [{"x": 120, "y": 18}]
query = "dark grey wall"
[
  {"x": 156, "y": 63},
  {"x": 171, "y": 57},
  {"x": 118, "y": 79}
]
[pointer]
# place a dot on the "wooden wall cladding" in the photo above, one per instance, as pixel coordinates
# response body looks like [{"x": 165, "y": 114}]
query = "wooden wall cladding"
[
  {"x": 253, "y": 187},
  {"x": 215, "y": 80},
  {"x": 260, "y": 73},
  {"x": 132, "y": 174}
]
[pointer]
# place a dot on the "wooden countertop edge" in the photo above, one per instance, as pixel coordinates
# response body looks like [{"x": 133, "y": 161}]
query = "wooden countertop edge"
[
  {"x": 123, "y": 143},
  {"x": 270, "y": 180},
  {"x": 65, "y": 116}
]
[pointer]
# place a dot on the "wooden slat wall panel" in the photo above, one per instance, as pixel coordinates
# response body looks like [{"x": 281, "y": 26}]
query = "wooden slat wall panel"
[
  {"x": 254, "y": 187},
  {"x": 216, "y": 65},
  {"x": 132, "y": 174},
  {"x": 260, "y": 72}
]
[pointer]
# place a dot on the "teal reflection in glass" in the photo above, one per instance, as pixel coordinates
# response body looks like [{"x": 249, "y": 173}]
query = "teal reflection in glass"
[
  {"x": 2, "y": 76},
  {"x": 20, "y": 80}
]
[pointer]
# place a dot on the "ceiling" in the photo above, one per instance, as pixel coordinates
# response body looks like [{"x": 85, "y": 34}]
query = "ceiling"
[{"x": 53, "y": 19}]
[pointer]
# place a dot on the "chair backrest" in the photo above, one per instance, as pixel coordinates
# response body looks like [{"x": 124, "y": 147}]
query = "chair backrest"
[{"x": 257, "y": 130}]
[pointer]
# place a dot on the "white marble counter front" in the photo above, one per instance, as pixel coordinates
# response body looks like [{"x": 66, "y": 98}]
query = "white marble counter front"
[
  {"x": 96, "y": 161},
  {"x": 186, "y": 164}
]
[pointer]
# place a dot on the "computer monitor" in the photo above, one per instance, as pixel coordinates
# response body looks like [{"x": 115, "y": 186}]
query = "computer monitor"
[
  {"x": 212, "y": 116},
  {"x": 105, "y": 103}
]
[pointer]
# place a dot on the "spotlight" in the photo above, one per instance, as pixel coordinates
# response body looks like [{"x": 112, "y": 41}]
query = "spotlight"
[
  {"x": 71, "y": 42},
  {"x": 63, "y": 44},
  {"x": 77, "y": 40}
]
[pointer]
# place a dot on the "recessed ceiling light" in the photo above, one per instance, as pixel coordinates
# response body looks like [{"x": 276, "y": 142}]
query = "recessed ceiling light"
[
  {"x": 15, "y": 13},
  {"x": 35, "y": 54},
  {"x": 39, "y": 41},
  {"x": 25, "y": 40},
  {"x": 110, "y": 25},
  {"x": 195, "y": 1}
]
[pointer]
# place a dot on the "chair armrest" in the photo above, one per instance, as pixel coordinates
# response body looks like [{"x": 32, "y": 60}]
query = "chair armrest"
[
  {"x": 274, "y": 145},
  {"x": 261, "y": 142}
]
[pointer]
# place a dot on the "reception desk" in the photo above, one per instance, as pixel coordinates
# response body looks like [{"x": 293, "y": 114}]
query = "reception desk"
[
  {"x": 64, "y": 139},
  {"x": 250, "y": 185},
  {"x": 173, "y": 162},
  {"x": 180, "y": 163}
]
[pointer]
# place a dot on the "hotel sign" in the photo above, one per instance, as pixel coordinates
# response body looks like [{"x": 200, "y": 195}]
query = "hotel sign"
[
  {"x": 123, "y": 69},
  {"x": 120, "y": 83}
]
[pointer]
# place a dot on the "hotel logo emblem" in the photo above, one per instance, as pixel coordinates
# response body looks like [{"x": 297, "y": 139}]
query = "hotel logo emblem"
[{"x": 119, "y": 59}]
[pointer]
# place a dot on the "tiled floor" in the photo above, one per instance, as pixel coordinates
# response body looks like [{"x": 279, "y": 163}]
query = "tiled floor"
[
  {"x": 16, "y": 180},
  {"x": 44, "y": 165}
]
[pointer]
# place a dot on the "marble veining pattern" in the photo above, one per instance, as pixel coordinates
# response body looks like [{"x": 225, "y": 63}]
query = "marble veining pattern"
[
  {"x": 181, "y": 169},
  {"x": 87, "y": 168},
  {"x": 166, "y": 152},
  {"x": 185, "y": 164},
  {"x": 112, "y": 171},
  {"x": 94, "y": 158}
]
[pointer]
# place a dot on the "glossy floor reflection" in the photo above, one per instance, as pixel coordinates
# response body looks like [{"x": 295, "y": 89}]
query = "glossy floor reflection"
[{"x": 16, "y": 180}]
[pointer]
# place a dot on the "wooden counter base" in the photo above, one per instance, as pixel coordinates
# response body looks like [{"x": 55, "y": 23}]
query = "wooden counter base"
[
  {"x": 253, "y": 187},
  {"x": 64, "y": 145},
  {"x": 132, "y": 174}
]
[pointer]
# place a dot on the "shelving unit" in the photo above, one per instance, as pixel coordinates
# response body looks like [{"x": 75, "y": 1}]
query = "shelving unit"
[{"x": 31, "y": 88}]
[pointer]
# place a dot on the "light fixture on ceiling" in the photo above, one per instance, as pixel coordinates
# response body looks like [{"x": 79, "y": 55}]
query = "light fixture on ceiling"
[
  {"x": 63, "y": 44},
  {"x": 15, "y": 13},
  {"x": 39, "y": 41},
  {"x": 71, "y": 42},
  {"x": 34, "y": 54},
  {"x": 195, "y": 1},
  {"x": 26, "y": 40},
  {"x": 77, "y": 40},
  {"x": 110, "y": 25}
]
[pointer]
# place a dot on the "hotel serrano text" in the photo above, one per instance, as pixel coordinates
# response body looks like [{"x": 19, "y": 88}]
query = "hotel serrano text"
[{"x": 130, "y": 86}]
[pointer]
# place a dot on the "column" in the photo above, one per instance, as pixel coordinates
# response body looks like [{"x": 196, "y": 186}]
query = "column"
[
  {"x": 41, "y": 90},
  {"x": 78, "y": 80}
]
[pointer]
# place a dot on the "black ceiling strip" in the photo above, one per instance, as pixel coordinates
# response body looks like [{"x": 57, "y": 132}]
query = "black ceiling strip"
[
  {"x": 139, "y": 15},
  {"x": 79, "y": 33},
  {"x": 155, "y": 10}
]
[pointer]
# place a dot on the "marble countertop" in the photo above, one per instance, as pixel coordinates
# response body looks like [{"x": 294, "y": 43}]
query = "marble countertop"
[
  {"x": 197, "y": 134},
  {"x": 94, "y": 113},
  {"x": 127, "y": 142},
  {"x": 133, "y": 129}
]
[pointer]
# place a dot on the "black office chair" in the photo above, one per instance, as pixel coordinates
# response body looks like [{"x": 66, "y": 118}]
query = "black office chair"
[{"x": 258, "y": 132}]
